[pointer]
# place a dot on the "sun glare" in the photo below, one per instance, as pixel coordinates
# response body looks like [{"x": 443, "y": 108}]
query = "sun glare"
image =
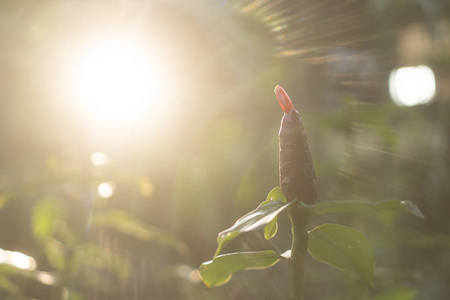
[{"x": 118, "y": 81}]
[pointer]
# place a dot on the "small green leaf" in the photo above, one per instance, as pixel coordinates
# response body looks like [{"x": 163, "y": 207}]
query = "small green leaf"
[
  {"x": 271, "y": 229},
  {"x": 342, "y": 247},
  {"x": 219, "y": 270},
  {"x": 254, "y": 220},
  {"x": 276, "y": 195},
  {"x": 347, "y": 206}
]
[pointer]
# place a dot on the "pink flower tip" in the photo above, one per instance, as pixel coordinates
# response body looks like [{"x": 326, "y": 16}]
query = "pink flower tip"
[{"x": 283, "y": 99}]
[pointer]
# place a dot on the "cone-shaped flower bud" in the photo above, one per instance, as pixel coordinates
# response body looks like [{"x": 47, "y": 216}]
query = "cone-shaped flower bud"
[{"x": 297, "y": 174}]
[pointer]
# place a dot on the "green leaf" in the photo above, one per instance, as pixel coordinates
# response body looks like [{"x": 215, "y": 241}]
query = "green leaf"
[
  {"x": 276, "y": 195},
  {"x": 254, "y": 220},
  {"x": 342, "y": 247},
  {"x": 271, "y": 229},
  {"x": 219, "y": 270},
  {"x": 347, "y": 206}
]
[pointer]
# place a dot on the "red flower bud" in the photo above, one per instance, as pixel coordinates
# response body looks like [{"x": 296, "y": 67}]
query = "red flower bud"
[{"x": 283, "y": 99}]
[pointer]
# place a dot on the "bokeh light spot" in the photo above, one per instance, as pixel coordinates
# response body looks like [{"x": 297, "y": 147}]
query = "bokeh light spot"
[
  {"x": 17, "y": 259},
  {"x": 146, "y": 187},
  {"x": 411, "y": 86},
  {"x": 105, "y": 189},
  {"x": 99, "y": 159},
  {"x": 45, "y": 278}
]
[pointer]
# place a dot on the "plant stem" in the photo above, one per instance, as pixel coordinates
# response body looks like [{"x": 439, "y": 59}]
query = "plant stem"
[{"x": 299, "y": 221}]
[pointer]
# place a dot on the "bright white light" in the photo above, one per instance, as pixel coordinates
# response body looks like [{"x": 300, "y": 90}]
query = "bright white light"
[
  {"x": 45, "y": 278},
  {"x": 17, "y": 259},
  {"x": 105, "y": 189},
  {"x": 99, "y": 159},
  {"x": 23, "y": 261},
  {"x": 412, "y": 85},
  {"x": 118, "y": 81}
]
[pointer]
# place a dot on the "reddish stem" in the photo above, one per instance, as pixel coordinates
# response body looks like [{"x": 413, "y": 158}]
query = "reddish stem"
[{"x": 283, "y": 99}]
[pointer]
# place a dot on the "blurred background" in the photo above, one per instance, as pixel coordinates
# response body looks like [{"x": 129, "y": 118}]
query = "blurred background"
[{"x": 132, "y": 132}]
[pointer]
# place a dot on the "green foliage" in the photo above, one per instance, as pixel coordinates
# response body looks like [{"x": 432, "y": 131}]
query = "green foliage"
[
  {"x": 81, "y": 240},
  {"x": 271, "y": 229},
  {"x": 257, "y": 219},
  {"x": 342, "y": 247},
  {"x": 8, "y": 286},
  {"x": 275, "y": 195},
  {"x": 219, "y": 270},
  {"x": 45, "y": 214}
]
